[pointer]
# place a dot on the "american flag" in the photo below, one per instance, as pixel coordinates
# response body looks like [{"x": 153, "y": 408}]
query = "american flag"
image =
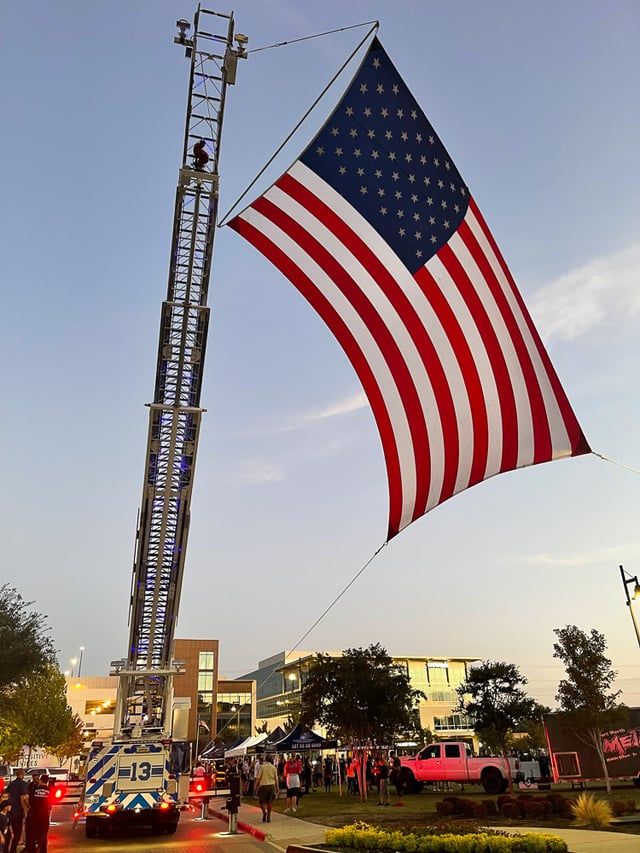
[{"x": 376, "y": 228}]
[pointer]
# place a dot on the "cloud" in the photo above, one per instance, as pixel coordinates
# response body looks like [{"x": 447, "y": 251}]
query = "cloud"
[
  {"x": 605, "y": 289},
  {"x": 341, "y": 407},
  {"x": 256, "y": 471},
  {"x": 598, "y": 556}
]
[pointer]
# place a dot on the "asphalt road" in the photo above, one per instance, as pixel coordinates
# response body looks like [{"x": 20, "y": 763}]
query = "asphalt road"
[{"x": 192, "y": 836}]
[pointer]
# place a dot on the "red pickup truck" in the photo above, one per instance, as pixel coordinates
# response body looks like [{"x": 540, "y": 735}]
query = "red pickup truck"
[{"x": 453, "y": 762}]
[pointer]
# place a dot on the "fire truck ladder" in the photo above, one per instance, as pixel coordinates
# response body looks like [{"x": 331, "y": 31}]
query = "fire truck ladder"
[{"x": 145, "y": 692}]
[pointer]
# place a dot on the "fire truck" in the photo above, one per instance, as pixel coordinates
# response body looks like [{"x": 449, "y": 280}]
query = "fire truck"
[{"x": 133, "y": 778}]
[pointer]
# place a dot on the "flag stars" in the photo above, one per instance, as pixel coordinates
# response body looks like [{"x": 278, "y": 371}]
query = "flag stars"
[
  {"x": 371, "y": 134},
  {"x": 357, "y": 152},
  {"x": 383, "y": 211},
  {"x": 367, "y": 112},
  {"x": 418, "y": 235},
  {"x": 378, "y": 173},
  {"x": 436, "y": 162},
  {"x": 353, "y": 133},
  {"x": 349, "y": 111},
  {"x": 400, "y": 214},
  {"x": 441, "y": 185},
  {"x": 335, "y": 131},
  {"x": 375, "y": 155},
  {"x": 380, "y": 89},
  {"x": 363, "y": 88},
  {"x": 432, "y": 220},
  {"x": 395, "y": 176},
  {"x": 443, "y": 204},
  {"x": 412, "y": 179},
  {"x": 414, "y": 198},
  {"x": 416, "y": 217},
  {"x": 381, "y": 192},
  {"x": 408, "y": 158},
  {"x": 429, "y": 201},
  {"x": 363, "y": 190},
  {"x": 320, "y": 150},
  {"x": 384, "y": 112},
  {"x": 398, "y": 194},
  {"x": 342, "y": 170},
  {"x": 400, "y": 113},
  {"x": 418, "y": 136},
  {"x": 446, "y": 224},
  {"x": 414, "y": 114},
  {"x": 339, "y": 152},
  {"x": 395, "y": 89},
  {"x": 376, "y": 62},
  {"x": 404, "y": 136},
  {"x": 401, "y": 232},
  {"x": 392, "y": 155},
  {"x": 388, "y": 134},
  {"x": 360, "y": 172}
]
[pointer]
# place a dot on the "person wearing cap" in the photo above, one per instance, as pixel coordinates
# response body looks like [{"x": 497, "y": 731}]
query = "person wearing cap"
[
  {"x": 38, "y": 816},
  {"x": 28, "y": 823}
]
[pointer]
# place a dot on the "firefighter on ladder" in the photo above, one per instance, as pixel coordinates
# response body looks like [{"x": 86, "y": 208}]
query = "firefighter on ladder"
[{"x": 200, "y": 156}]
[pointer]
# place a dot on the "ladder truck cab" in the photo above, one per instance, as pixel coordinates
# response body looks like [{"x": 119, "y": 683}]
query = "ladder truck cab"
[{"x": 137, "y": 776}]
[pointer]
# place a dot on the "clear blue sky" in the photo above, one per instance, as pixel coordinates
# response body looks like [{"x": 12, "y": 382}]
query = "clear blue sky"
[{"x": 538, "y": 106}]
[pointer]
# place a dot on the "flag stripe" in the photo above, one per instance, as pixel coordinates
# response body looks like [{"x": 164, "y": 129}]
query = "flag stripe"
[{"x": 389, "y": 417}]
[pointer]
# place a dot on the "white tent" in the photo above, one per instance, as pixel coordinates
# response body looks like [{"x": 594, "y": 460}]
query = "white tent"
[{"x": 245, "y": 746}]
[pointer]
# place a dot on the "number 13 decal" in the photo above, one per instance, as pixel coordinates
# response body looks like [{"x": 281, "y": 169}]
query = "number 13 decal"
[{"x": 140, "y": 772}]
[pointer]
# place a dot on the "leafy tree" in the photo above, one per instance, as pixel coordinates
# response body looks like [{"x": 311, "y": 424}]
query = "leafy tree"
[
  {"x": 72, "y": 745},
  {"x": 584, "y": 695},
  {"x": 532, "y": 730},
  {"x": 493, "y": 696},
  {"x": 38, "y": 710},
  {"x": 25, "y": 647},
  {"x": 359, "y": 697}
]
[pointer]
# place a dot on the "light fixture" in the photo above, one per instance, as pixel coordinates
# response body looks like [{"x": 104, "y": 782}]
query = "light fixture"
[{"x": 627, "y": 581}]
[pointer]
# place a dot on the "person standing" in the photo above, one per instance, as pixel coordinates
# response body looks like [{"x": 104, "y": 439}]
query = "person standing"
[
  {"x": 292, "y": 771},
  {"x": 327, "y": 774},
  {"x": 267, "y": 785},
  {"x": 18, "y": 791},
  {"x": 383, "y": 778},
  {"x": 39, "y": 811}
]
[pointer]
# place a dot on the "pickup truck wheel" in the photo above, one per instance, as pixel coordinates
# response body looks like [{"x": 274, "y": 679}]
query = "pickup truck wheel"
[
  {"x": 492, "y": 781},
  {"x": 407, "y": 783}
]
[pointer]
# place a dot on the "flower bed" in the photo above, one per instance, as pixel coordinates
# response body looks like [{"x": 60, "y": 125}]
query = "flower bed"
[{"x": 362, "y": 836}]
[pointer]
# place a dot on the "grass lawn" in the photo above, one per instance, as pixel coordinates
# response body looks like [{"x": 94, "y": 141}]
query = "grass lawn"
[{"x": 419, "y": 810}]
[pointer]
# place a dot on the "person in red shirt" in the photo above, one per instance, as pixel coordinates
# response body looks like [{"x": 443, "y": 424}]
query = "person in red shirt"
[{"x": 292, "y": 771}]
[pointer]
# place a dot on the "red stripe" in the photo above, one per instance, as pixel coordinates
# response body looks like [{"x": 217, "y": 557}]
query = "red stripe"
[
  {"x": 470, "y": 376},
  {"x": 578, "y": 442},
  {"x": 491, "y": 344},
  {"x": 357, "y": 358},
  {"x": 420, "y": 337},
  {"x": 542, "y": 442}
]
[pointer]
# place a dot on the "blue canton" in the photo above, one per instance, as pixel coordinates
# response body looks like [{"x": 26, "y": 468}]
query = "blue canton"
[{"x": 381, "y": 153}]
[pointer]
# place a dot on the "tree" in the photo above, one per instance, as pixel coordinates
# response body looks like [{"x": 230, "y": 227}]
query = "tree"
[
  {"x": 25, "y": 648},
  {"x": 584, "y": 695},
  {"x": 493, "y": 696},
  {"x": 360, "y": 697},
  {"x": 38, "y": 709},
  {"x": 73, "y": 743}
]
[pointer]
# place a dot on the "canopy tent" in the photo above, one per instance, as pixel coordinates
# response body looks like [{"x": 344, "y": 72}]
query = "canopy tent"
[
  {"x": 247, "y": 745},
  {"x": 213, "y": 750},
  {"x": 300, "y": 741},
  {"x": 273, "y": 737}
]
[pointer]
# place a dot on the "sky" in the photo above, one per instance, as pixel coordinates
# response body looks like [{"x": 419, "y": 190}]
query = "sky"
[{"x": 538, "y": 106}]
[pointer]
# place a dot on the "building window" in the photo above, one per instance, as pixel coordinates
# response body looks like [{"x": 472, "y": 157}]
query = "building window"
[
  {"x": 205, "y": 661},
  {"x": 205, "y": 681}
]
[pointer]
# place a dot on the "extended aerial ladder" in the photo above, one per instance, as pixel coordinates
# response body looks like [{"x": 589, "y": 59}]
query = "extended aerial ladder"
[{"x": 143, "y": 713}]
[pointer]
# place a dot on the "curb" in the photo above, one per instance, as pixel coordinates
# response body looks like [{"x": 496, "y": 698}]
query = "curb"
[{"x": 242, "y": 826}]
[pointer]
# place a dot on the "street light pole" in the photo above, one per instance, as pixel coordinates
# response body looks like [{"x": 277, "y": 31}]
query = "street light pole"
[
  {"x": 80, "y": 661},
  {"x": 627, "y": 580}
]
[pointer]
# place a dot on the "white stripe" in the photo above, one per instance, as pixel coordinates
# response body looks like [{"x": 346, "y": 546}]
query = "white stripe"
[
  {"x": 507, "y": 348},
  {"x": 378, "y": 299},
  {"x": 364, "y": 340},
  {"x": 559, "y": 436},
  {"x": 483, "y": 366}
]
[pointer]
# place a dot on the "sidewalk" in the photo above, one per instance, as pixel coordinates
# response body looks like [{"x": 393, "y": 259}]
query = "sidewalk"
[{"x": 286, "y": 830}]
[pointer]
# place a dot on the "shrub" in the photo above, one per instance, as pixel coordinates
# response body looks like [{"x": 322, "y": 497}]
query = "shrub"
[
  {"x": 590, "y": 811},
  {"x": 504, "y": 798},
  {"x": 479, "y": 811},
  {"x": 490, "y": 806},
  {"x": 619, "y": 807},
  {"x": 511, "y": 810},
  {"x": 363, "y": 836},
  {"x": 534, "y": 810},
  {"x": 444, "y": 807}
]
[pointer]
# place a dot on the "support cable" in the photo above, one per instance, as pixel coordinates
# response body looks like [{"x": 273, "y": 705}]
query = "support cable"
[{"x": 370, "y": 32}]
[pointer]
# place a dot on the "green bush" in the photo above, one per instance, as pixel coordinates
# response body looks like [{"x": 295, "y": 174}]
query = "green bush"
[{"x": 361, "y": 836}]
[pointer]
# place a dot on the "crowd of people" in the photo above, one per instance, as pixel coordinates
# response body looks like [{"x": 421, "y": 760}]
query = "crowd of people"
[{"x": 25, "y": 808}]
